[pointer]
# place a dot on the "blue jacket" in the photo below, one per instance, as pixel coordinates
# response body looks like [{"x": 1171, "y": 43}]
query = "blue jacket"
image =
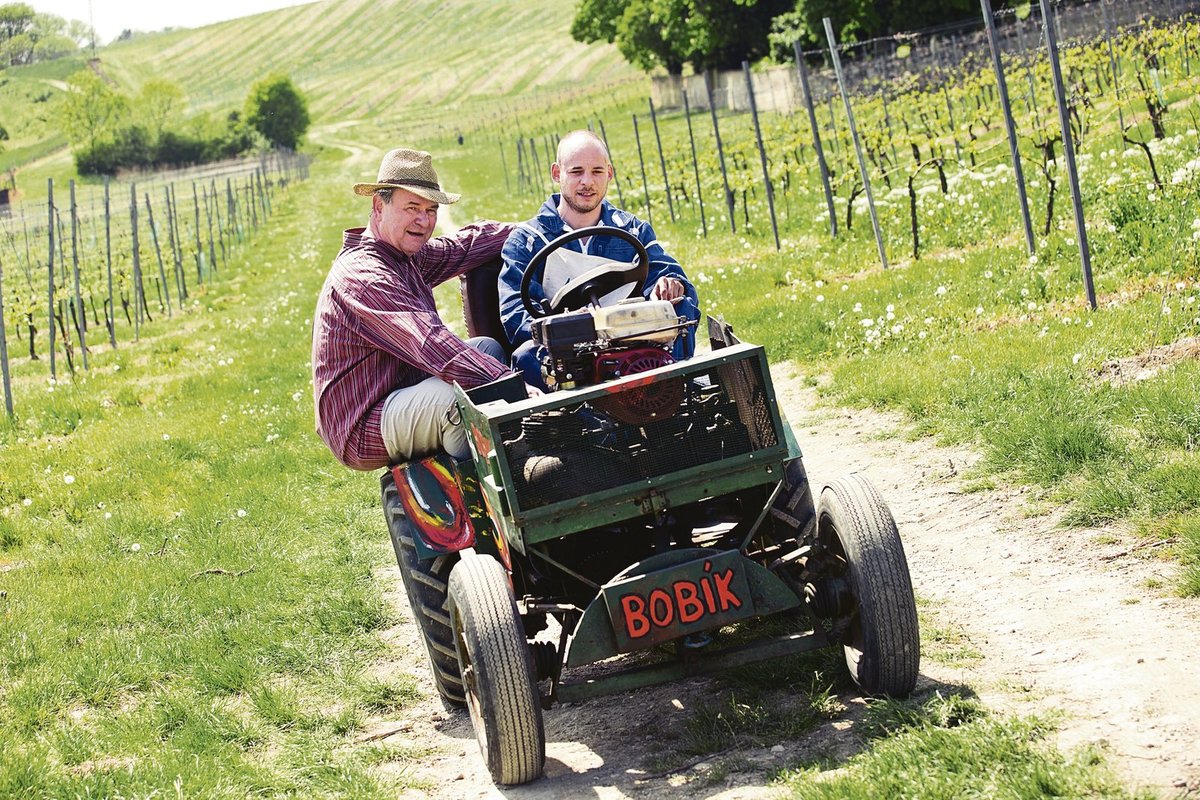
[{"x": 530, "y": 237}]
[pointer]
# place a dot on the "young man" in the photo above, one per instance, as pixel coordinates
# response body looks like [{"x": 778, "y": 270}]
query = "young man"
[
  {"x": 383, "y": 361},
  {"x": 583, "y": 171}
]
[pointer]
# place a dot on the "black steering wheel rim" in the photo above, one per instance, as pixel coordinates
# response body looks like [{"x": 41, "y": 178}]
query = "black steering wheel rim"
[{"x": 537, "y": 265}]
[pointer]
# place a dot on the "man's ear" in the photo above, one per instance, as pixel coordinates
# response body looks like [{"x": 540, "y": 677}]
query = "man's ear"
[{"x": 555, "y": 172}]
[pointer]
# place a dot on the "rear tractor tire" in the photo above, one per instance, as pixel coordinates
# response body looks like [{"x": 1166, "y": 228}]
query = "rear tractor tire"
[{"x": 426, "y": 584}]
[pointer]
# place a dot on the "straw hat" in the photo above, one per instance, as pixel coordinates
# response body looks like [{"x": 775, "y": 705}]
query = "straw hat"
[{"x": 411, "y": 170}]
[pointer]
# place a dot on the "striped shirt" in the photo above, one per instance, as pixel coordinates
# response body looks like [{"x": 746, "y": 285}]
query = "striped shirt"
[{"x": 376, "y": 329}]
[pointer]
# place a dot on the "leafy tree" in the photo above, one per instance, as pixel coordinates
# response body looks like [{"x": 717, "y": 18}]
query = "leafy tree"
[
  {"x": 27, "y": 36},
  {"x": 157, "y": 103},
  {"x": 670, "y": 33},
  {"x": 90, "y": 109},
  {"x": 15, "y": 19},
  {"x": 276, "y": 109},
  {"x": 860, "y": 19}
]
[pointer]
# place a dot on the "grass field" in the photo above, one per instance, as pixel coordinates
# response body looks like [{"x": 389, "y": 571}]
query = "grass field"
[{"x": 186, "y": 576}]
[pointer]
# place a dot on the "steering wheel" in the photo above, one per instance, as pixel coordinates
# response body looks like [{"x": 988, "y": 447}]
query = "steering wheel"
[{"x": 592, "y": 287}]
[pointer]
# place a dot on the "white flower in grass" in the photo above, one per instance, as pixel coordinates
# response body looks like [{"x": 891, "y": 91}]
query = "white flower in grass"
[
  {"x": 166, "y": 437},
  {"x": 941, "y": 291},
  {"x": 1075, "y": 359},
  {"x": 27, "y": 502},
  {"x": 978, "y": 310},
  {"x": 108, "y": 515},
  {"x": 241, "y": 512},
  {"x": 135, "y": 547},
  {"x": 820, "y": 298},
  {"x": 866, "y": 323},
  {"x": 68, "y": 479},
  {"x": 296, "y": 396}
]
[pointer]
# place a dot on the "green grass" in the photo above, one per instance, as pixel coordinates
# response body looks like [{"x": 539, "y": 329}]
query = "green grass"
[
  {"x": 170, "y": 532},
  {"x": 950, "y": 747}
]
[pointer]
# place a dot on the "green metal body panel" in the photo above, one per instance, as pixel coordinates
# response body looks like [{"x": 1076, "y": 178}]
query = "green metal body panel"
[
  {"x": 524, "y": 527},
  {"x": 596, "y": 637},
  {"x": 583, "y": 688},
  {"x": 698, "y": 595}
]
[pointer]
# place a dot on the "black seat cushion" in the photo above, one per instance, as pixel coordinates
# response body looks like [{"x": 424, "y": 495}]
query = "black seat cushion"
[{"x": 481, "y": 301}]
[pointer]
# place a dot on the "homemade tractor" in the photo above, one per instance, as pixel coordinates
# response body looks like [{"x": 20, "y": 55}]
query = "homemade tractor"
[{"x": 645, "y": 514}]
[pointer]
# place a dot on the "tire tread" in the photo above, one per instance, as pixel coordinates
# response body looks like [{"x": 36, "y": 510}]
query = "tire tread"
[{"x": 891, "y": 658}]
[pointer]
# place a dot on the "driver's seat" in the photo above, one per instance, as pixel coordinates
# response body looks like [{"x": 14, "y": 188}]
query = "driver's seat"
[{"x": 481, "y": 302}]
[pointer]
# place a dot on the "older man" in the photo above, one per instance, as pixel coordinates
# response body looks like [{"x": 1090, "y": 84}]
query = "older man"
[
  {"x": 583, "y": 171},
  {"x": 383, "y": 361}
]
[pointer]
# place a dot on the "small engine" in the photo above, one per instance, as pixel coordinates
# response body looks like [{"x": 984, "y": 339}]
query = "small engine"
[{"x": 599, "y": 343}]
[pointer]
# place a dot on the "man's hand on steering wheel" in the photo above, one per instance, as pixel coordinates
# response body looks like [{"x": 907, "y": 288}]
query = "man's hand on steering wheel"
[{"x": 668, "y": 288}]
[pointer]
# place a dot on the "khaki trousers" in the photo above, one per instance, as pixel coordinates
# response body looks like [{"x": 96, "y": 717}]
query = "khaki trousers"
[{"x": 417, "y": 421}]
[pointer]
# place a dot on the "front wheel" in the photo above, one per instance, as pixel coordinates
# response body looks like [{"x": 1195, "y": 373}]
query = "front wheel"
[
  {"x": 877, "y": 621},
  {"x": 494, "y": 662}
]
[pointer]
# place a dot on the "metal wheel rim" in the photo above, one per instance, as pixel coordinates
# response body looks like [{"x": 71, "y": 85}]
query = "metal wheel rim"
[
  {"x": 853, "y": 641},
  {"x": 470, "y": 683}
]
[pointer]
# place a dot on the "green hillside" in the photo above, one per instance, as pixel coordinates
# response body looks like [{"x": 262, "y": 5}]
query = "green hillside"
[
  {"x": 400, "y": 61},
  {"x": 406, "y": 68}
]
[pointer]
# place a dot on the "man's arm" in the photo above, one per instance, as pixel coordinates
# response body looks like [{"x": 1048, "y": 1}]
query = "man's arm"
[
  {"x": 665, "y": 278},
  {"x": 520, "y": 248},
  {"x": 399, "y": 324},
  {"x": 462, "y": 251}
]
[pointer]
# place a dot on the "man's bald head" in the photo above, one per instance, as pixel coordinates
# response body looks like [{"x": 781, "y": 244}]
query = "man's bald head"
[{"x": 575, "y": 140}]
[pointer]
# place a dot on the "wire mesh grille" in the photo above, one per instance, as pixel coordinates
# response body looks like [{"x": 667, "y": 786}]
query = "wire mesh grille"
[{"x": 570, "y": 452}]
